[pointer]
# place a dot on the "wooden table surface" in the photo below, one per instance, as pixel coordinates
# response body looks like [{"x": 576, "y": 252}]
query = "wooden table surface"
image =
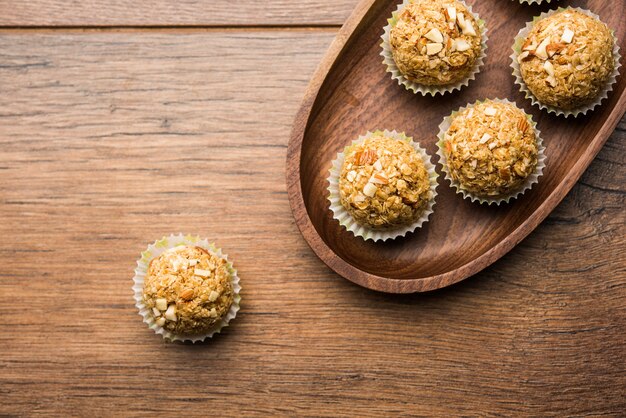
[{"x": 123, "y": 121}]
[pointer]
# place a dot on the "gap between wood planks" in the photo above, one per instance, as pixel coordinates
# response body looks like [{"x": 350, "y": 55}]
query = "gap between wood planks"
[{"x": 169, "y": 28}]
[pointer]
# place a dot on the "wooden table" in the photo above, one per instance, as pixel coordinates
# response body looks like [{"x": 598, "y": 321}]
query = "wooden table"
[{"x": 123, "y": 121}]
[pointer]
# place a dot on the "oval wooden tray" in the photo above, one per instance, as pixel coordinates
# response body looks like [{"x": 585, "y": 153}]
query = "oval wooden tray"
[{"x": 352, "y": 93}]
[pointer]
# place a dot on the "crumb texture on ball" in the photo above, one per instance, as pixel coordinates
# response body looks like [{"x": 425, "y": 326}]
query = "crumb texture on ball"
[
  {"x": 384, "y": 183},
  {"x": 491, "y": 149},
  {"x": 188, "y": 289},
  {"x": 567, "y": 59},
  {"x": 435, "y": 42}
]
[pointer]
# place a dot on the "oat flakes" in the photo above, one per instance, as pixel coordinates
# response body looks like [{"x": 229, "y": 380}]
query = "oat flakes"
[
  {"x": 435, "y": 42},
  {"x": 384, "y": 183},
  {"x": 491, "y": 149},
  {"x": 188, "y": 290},
  {"x": 567, "y": 59}
]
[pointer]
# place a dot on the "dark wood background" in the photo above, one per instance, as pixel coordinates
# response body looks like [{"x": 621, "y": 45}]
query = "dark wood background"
[{"x": 121, "y": 122}]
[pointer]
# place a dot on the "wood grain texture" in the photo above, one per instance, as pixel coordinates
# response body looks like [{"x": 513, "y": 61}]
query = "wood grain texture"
[
  {"x": 174, "y": 13},
  {"x": 109, "y": 140},
  {"x": 352, "y": 93}
]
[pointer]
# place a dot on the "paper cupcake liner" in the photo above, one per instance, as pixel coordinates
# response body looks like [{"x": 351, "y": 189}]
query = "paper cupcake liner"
[
  {"x": 156, "y": 249},
  {"x": 536, "y": 1},
  {"x": 517, "y": 47},
  {"x": 421, "y": 88},
  {"x": 346, "y": 220},
  {"x": 530, "y": 181}
]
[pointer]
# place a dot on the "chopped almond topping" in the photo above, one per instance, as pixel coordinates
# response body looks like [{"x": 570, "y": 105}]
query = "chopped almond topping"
[
  {"x": 483, "y": 145},
  {"x": 541, "y": 49},
  {"x": 359, "y": 198},
  {"x": 370, "y": 190},
  {"x": 466, "y": 25},
  {"x": 368, "y": 156},
  {"x": 461, "y": 45},
  {"x": 434, "y": 35},
  {"x": 432, "y": 49},
  {"x": 450, "y": 13},
  {"x": 175, "y": 300},
  {"x": 460, "y": 18},
  {"x": 379, "y": 178},
  {"x": 486, "y": 137},
  {"x": 568, "y": 36},
  {"x": 201, "y": 273},
  {"x": 554, "y": 48},
  {"x": 522, "y": 124},
  {"x": 469, "y": 29},
  {"x": 375, "y": 200},
  {"x": 178, "y": 263},
  {"x": 490, "y": 111},
  {"x": 187, "y": 294},
  {"x": 161, "y": 304},
  {"x": 549, "y": 68},
  {"x": 528, "y": 46},
  {"x": 170, "y": 313}
]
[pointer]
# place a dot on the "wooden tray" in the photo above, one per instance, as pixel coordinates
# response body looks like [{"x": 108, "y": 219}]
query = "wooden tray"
[{"x": 352, "y": 93}]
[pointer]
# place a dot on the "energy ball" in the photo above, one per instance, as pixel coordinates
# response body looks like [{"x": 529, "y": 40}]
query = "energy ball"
[
  {"x": 567, "y": 59},
  {"x": 491, "y": 149},
  {"x": 435, "y": 42},
  {"x": 188, "y": 290},
  {"x": 384, "y": 183}
]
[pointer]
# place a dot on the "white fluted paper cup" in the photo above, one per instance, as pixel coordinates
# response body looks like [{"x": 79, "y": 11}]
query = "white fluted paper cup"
[
  {"x": 347, "y": 221},
  {"x": 536, "y": 1},
  {"x": 422, "y": 89},
  {"x": 156, "y": 249},
  {"x": 519, "y": 80},
  {"x": 530, "y": 181}
]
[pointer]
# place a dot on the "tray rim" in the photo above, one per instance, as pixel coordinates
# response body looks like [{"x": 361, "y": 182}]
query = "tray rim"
[{"x": 424, "y": 284}]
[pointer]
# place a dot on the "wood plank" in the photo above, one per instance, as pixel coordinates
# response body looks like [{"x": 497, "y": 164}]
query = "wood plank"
[
  {"x": 110, "y": 140},
  {"x": 177, "y": 13}
]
